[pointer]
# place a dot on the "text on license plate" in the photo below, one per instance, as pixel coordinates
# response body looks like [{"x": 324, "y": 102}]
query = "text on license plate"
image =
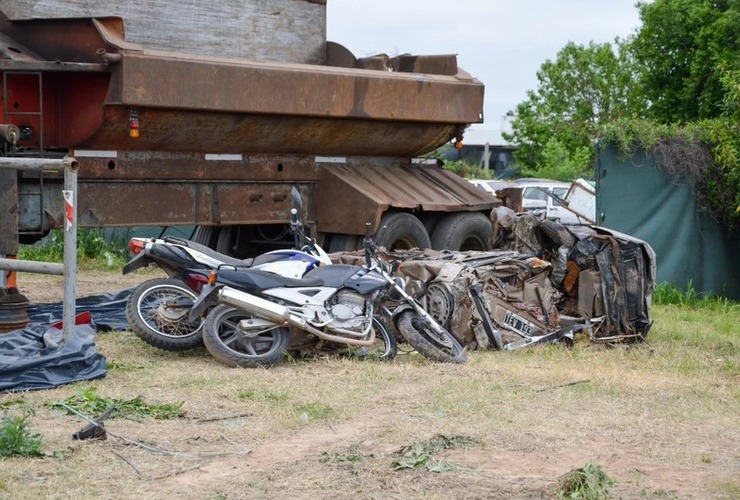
[{"x": 519, "y": 324}]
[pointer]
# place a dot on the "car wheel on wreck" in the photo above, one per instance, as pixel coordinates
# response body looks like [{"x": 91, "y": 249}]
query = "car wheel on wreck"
[{"x": 462, "y": 231}]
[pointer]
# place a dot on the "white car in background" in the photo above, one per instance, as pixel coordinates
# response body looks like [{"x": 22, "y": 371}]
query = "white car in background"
[
  {"x": 564, "y": 202},
  {"x": 490, "y": 185}
]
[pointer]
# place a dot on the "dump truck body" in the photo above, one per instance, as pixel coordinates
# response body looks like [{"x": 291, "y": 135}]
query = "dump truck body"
[{"x": 172, "y": 138}]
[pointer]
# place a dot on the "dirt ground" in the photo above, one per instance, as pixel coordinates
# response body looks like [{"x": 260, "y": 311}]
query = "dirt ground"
[{"x": 530, "y": 431}]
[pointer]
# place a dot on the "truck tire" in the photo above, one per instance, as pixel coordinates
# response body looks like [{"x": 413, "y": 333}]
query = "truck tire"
[
  {"x": 401, "y": 231},
  {"x": 463, "y": 231},
  {"x": 343, "y": 243},
  {"x": 224, "y": 242},
  {"x": 205, "y": 235}
]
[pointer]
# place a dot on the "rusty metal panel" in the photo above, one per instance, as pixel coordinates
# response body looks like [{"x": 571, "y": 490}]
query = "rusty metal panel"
[
  {"x": 165, "y": 81},
  {"x": 8, "y": 212},
  {"x": 114, "y": 165},
  {"x": 365, "y": 191},
  {"x": 278, "y": 30},
  {"x": 186, "y": 102},
  {"x": 262, "y": 134},
  {"x": 182, "y": 203}
]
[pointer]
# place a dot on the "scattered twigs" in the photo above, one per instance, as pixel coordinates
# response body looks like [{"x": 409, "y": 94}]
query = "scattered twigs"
[
  {"x": 216, "y": 419},
  {"x": 153, "y": 449},
  {"x": 551, "y": 387},
  {"x": 127, "y": 462}
]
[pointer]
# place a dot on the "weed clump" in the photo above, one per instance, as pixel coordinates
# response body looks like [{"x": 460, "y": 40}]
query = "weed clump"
[
  {"x": 16, "y": 439},
  {"x": 89, "y": 402},
  {"x": 589, "y": 482}
]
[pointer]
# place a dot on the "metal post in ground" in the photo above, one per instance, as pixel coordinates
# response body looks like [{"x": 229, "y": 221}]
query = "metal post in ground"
[{"x": 70, "y": 246}]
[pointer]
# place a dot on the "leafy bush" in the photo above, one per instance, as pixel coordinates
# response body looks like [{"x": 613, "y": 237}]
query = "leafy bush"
[
  {"x": 16, "y": 439},
  {"x": 92, "y": 249}
]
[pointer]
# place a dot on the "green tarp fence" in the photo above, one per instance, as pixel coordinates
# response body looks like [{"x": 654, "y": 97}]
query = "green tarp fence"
[{"x": 635, "y": 197}]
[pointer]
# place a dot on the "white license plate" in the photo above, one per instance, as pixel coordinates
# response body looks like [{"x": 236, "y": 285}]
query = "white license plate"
[{"x": 518, "y": 324}]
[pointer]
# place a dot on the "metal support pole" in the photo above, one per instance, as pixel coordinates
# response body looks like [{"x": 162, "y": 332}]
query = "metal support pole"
[
  {"x": 35, "y": 164},
  {"x": 486, "y": 157},
  {"x": 31, "y": 266},
  {"x": 70, "y": 246}
]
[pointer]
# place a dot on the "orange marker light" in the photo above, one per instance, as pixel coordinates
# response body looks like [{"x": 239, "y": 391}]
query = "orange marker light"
[{"x": 133, "y": 125}]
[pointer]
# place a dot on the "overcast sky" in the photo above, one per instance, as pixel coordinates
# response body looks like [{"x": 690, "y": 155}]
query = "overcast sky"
[{"x": 501, "y": 42}]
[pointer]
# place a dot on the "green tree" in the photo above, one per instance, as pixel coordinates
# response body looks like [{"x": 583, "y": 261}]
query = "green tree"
[
  {"x": 584, "y": 87},
  {"x": 681, "y": 51}
]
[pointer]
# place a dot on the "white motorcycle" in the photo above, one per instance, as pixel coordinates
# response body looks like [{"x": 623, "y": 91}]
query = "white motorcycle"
[
  {"x": 157, "y": 311},
  {"x": 261, "y": 316}
]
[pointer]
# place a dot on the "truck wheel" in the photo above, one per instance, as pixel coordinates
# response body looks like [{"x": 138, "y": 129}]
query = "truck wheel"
[
  {"x": 343, "y": 243},
  {"x": 225, "y": 238},
  {"x": 401, "y": 231},
  {"x": 205, "y": 235},
  {"x": 463, "y": 231}
]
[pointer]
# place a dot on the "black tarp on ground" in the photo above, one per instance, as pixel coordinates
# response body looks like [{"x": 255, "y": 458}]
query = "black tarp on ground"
[{"x": 37, "y": 358}]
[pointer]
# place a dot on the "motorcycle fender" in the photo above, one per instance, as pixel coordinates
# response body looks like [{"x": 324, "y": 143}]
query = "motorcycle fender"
[
  {"x": 207, "y": 298},
  {"x": 139, "y": 261},
  {"x": 397, "y": 312}
]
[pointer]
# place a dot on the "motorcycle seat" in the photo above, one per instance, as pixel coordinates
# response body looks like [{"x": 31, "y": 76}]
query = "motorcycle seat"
[
  {"x": 264, "y": 279},
  {"x": 221, "y": 257}
]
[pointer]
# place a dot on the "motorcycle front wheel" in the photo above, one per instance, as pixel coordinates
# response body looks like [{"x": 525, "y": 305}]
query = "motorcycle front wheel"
[
  {"x": 157, "y": 313},
  {"x": 385, "y": 346},
  {"x": 233, "y": 347},
  {"x": 442, "y": 346}
]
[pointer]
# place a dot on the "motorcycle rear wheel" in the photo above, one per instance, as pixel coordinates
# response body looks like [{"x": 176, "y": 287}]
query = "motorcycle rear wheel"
[
  {"x": 152, "y": 317},
  {"x": 438, "y": 347},
  {"x": 228, "y": 345}
]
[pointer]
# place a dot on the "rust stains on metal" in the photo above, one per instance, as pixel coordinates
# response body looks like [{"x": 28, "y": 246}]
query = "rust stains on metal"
[
  {"x": 197, "y": 103},
  {"x": 372, "y": 189}
]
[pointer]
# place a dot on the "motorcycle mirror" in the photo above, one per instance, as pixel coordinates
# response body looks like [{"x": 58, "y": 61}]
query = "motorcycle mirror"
[{"x": 297, "y": 201}]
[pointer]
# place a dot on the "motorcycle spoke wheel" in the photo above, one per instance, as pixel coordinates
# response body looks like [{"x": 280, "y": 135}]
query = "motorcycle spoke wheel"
[
  {"x": 157, "y": 313},
  {"x": 233, "y": 347}
]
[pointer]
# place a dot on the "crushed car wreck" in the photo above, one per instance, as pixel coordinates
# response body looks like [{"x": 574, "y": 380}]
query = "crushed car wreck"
[{"x": 544, "y": 282}]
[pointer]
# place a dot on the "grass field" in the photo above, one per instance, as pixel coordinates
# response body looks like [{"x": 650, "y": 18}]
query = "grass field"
[{"x": 659, "y": 419}]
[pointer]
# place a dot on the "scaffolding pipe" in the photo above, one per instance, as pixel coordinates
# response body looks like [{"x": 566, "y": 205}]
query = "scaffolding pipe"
[
  {"x": 32, "y": 266},
  {"x": 38, "y": 164},
  {"x": 69, "y": 269},
  {"x": 70, "y": 247}
]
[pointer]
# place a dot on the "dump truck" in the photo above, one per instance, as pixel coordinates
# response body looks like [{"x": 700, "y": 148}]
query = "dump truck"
[{"x": 188, "y": 113}]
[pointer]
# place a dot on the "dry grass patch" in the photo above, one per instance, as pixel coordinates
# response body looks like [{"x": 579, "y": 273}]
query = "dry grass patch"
[{"x": 659, "y": 418}]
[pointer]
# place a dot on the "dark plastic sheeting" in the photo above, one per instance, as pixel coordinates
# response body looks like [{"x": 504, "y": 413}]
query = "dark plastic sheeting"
[
  {"x": 634, "y": 197},
  {"x": 37, "y": 358}
]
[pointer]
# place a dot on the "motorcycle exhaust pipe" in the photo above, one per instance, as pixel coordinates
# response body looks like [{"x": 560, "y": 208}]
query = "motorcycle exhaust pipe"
[
  {"x": 280, "y": 315},
  {"x": 255, "y": 305}
]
